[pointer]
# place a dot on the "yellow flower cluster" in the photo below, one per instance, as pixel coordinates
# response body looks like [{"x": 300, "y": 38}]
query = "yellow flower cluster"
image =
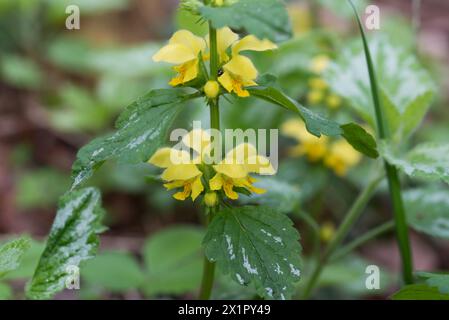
[
  {"x": 237, "y": 71},
  {"x": 338, "y": 155},
  {"x": 318, "y": 87},
  {"x": 195, "y": 177}
]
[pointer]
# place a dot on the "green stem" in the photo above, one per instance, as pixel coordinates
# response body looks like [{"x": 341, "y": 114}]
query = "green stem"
[
  {"x": 350, "y": 218},
  {"x": 207, "y": 281},
  {"x": 209, "y": 267},
  {"x": 392, "y": 174},
  {"x": 368, "y": 236}
]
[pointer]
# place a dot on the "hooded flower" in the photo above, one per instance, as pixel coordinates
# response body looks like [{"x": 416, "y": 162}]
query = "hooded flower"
[
  {"x": 238, "y": 70},
  {"x": 181, "y": 171},
  {"x": 313, "y": 147},
  {"x": 183, "y": 50},
  {"x": 234, "y": 171},
  {"x": 341, "y": 156}
]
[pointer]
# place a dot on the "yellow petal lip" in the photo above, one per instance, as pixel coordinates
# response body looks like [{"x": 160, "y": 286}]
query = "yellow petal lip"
[
  {"x": 234, "y": 171},
  {"x": 197, "y": 188},
  {"x": 242, "y": 67},
  {"x": 226, "y": 81},
  {"x": 252, "y": 43},
  {"x": 180, "y": 172},
  {"x": 216, "y": 183}
]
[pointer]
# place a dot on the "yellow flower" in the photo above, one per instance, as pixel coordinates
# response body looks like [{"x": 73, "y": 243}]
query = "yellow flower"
[
  {"x": 183, "y": 50},
  {"x": 239, "y": 71},
  {"x": 313, "y": 147},
  {"x": 235, "y": 170},
  {"x": 327, "y": 232},
  {"x": 211, "y": 89},
  {"x": 315, "y": 96},
  {"x": 333, "y": 101},
  {"x": 318, "y": 83},
  {"x": 181, "y": 171},
  {"x": 341, "y": 157},
  {"x": 319, "y": 64}
]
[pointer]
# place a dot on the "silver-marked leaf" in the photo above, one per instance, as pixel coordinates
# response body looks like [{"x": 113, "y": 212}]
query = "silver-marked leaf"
[
  {"x": 406, "y": 88},
  {"x": 11, "y": 254},
  {"x": 141, "y": 130},
  {"x": 256, "y": 245},
  {"x": 428, "y": 211},
  {"x": 427, "y": 160},
  {"x": 262, "y": 18},
  {"x": 73, "y": 239}
]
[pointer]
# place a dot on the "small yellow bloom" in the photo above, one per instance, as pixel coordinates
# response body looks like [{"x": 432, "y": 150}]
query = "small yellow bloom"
[
  {"x": 313, "y": 147},
  {"x": 341, "y": 157},
  {"x": 235, "y": 170},
  {"x": 327, "y": 232},
  {"x": 319, "y": 64},
  {"x": 333, "y": 101},
  {"x": 239, "y": 71},
  {"x": 183, "y": 50},
  {"x": 317, "y": 83},
  {"x": 181, "y": 171},
  {"x": 315, "y": 96},
  {"x": 211, "y": 199},
  {"x": 212, "y": 88}
]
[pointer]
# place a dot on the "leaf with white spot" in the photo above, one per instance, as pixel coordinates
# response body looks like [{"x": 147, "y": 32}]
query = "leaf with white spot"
[
  {"x": 141, "y": 130},
  {"x": 256, "y": 245},
  {"x": 11, "y": 254},
  {"x": 73, "y": 239},
  {"x": 405, "y": 86},
  {"x": 428, "y": 211},
  {"x": 427, "y": 160}
]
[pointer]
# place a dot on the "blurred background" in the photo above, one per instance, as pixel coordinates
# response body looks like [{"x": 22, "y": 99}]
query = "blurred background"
[{"x": 60, "y": 88}]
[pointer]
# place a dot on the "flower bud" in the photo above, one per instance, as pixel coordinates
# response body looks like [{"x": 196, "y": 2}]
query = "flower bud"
[
  {"x": 211, "y": 199},
  {"x": 212, "y": 88}
]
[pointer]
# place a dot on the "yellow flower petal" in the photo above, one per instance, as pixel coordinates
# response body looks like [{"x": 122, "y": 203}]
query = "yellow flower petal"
[
  {"x": 180, "y": 172},
  {"x": 197, "y": 187},
  {"x": 242, "y": 67},
  {"x": 189, "y": 40},
  {"x": 198, "y": 140},
  {"x": 232, "y": 170},
  {"x": 252, "y": 43},
  {"x": 226, "y": 81},
  {"x": 174, "y": 184},
  {"x": 216, "y": 183},
  {"x": 259, "y": 164},
  {"x": 186, "y": 72},
  {"x": 165, "y": 157},
  {"x": 225, "y": 38},
  {"x": 228, "y": 189},
  {"x": 175, "y": 54},
  {"x": 239, "y": 154},
  {"x": 319, "y": 63}
]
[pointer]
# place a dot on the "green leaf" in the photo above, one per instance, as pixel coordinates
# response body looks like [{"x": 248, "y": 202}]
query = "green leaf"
[
  {"x": 419, "y": 292},
  {"x": 427, "y": 160},
  {"x": 5, "y": 291},
  {"x": 317, "y": 124},
  {"x": 438, "y": 280},
  {"x": 361, "y": 140},
  {"x": 113, "y": 271},
  {"x": 256, "y": 245},
  {"x": 262, "y": 18},
  {"x": 428, "y": 211},
  {"x": 21, "y": 72},
  {"x": 11, "y": 254},
  {"x": 29, "y": 262},
  {"x": 406, "y": 89},
  {"x": 141, "y": 130},
  {"x": 73, "y": 239},
  {"x": 281, "y": 195},
  {"x": 173, "y": 259}
]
